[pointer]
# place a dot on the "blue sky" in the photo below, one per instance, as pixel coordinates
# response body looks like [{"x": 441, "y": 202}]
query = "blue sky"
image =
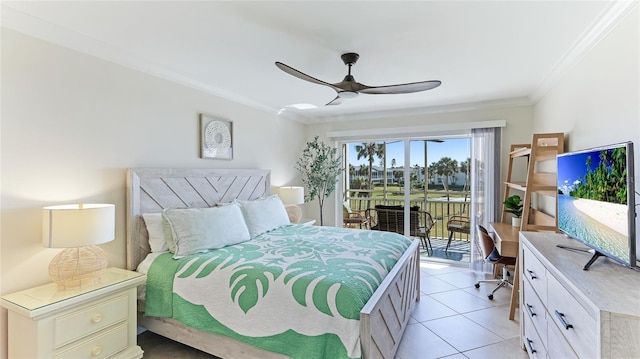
[
  {"x": 572, "y": 168},
  {"x": 457, "y": 148}
]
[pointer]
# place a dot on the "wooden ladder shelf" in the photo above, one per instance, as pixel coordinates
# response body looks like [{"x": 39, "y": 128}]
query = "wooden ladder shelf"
[{"x": 540, "y": 180}]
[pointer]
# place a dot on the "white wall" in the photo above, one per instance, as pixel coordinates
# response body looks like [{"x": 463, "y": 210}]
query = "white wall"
[
  {"x": 71, "y": 126},
  {"x": 598, "y": 101}
]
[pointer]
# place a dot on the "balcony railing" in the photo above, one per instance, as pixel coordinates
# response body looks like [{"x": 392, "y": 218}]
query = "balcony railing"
[{"x": 441, "y": 209}]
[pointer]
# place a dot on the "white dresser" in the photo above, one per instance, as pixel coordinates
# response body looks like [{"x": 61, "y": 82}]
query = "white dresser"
[
  {"x": 97, "y": 321},
  {"x": 567, "y": 312}
]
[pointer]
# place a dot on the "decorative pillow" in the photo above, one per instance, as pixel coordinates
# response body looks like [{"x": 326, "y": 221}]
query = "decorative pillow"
[
  {"x": 197, "y": 230},
  {"x": 157, "y": 241},
  {"x": 264, "y": 214}
]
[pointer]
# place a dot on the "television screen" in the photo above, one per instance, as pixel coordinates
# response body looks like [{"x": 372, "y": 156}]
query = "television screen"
[{"x": 596, "y": 200}]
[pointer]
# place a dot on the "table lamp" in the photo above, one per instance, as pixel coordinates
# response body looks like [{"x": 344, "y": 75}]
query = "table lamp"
[
  {"x": 292, "y": 197},
  {"x": 78, "y": 228}
]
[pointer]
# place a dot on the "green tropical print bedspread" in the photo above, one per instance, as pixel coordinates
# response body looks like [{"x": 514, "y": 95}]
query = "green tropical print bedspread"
[{"x": 297, "y": 290}]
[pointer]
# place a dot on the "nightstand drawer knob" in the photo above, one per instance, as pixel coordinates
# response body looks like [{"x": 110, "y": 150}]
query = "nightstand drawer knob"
[
  {"x": 96, "y": 351},
  {"x": 97, "y": 318}
]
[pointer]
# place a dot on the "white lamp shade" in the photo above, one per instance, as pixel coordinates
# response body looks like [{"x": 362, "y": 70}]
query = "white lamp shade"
[
  {"x": 77, "y": 225},
  {"x": 291, "y": 195}
]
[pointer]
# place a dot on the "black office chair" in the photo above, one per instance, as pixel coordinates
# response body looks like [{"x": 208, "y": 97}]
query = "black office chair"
[{"x": 490, "y": 254}]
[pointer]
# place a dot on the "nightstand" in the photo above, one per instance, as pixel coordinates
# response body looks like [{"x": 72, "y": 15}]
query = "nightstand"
[{"x": 93, "y": 321}]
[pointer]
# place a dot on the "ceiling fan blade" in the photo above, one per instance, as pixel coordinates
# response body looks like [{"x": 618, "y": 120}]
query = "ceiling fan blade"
[
  {"x": 335, "y": 101},
  {"x": 293, "y": 72},
  {"x": 402, "y": 88}
]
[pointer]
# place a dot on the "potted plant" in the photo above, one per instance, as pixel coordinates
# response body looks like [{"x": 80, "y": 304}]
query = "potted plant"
[
  {"x": 513, "y": 205},
  {"x": 319, "y": 169}
]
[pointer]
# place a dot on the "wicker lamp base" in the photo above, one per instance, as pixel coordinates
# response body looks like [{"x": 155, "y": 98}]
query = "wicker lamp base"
[
  {"x": 77, "y": 267},
  {"x": 294, "y": 212}
]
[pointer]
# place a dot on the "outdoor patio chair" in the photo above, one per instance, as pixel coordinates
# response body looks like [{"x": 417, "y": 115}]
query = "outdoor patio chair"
[
  {"x": 391, "y": 219},
  {"x": 457, "y": 224},
  {"x": 351, "y": 218}
]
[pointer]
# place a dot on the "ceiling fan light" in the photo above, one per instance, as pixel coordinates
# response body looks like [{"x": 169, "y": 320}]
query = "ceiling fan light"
[
  {"x": 302, "y": 106},
  {"x": 347, "y": 94}
]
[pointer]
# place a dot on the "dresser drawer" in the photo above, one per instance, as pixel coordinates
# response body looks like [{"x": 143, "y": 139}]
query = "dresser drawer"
[
  {"x": 558, "y": 346},
  {"x": 532, "y": 341},
  {"x": 572, "y": 320},
  {"x": 535, "y": 273},
  {"x": 90, "y": 319},
  {"x": 101, "y": 345},
  {"x": 533, "y": 308}
]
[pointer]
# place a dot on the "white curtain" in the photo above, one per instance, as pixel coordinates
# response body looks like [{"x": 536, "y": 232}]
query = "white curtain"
[{"x": 485, "y": 186}]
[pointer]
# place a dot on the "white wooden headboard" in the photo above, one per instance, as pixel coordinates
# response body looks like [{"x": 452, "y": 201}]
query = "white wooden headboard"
[{"x": 150, "y": 190}]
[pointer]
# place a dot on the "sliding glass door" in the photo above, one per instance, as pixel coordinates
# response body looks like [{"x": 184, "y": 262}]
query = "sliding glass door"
[{"x": 429, "y": 175}]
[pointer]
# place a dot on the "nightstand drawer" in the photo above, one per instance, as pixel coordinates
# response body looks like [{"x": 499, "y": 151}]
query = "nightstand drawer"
[
  {"x": 90, "y": 319},
  {"x": 102, "y": 345}
]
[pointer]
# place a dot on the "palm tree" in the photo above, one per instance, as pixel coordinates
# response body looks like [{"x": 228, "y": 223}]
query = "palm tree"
[
  {"x": 397, "y": 176},
  {"x": 370, "y": 151},
  {"x": 431, "y": 170},
  {"x": 352, "y": 170},
  {"x": 393, "y": 163},
  {"x": 465, "y": 167},
  {"x": 446, "y": 167}
]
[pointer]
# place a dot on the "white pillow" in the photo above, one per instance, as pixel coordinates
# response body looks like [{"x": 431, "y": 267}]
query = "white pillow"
[
  {"x": 197, "y": 230},
  {"x": 264, "y": 214},
  {"x": 155, "y": 229}
]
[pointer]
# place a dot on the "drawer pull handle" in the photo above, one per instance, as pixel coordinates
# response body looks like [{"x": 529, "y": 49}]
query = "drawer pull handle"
[
  {"x": 97, "y": 318},
  {"x": 96, "y": 351},
  {"x": 529, "y": 341},
  {"x": 531, "y": 274},
  {"x": 564, "y": 322},
  {"x": 530, "y": 310}
]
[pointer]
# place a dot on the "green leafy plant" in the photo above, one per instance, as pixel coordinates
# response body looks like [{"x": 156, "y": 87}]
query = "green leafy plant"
[
  {"x": 513, "y": 205},
  {"x": 319, "y": 168}
]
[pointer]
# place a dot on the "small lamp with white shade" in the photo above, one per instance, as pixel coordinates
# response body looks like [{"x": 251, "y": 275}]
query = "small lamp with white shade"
[
  {"x": 292, "y": 196},
  {"x": 78, "y": 228}
]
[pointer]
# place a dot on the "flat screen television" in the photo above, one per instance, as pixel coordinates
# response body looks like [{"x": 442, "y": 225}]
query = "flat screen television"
[{"x": 596, "y": 201}]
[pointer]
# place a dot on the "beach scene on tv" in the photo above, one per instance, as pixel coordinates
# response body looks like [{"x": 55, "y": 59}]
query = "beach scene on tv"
[{"x": 592, "y": 199}]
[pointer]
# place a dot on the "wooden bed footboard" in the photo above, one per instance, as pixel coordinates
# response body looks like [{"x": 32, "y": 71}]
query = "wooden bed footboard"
[
  {"x": 384, "y": 318},
  {"x": 218, "y": 345}
]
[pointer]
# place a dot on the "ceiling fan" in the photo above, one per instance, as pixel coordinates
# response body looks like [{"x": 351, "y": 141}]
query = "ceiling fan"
[{"x": 349, "y": 88}]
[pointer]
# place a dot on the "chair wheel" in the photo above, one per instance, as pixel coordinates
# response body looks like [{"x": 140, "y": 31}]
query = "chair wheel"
[
  {"x": 490, "y": 296},
  {"x": 477, "y": 285}
]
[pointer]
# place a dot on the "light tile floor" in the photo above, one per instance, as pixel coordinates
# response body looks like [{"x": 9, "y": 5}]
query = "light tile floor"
[{"x": 453, "y": 320}]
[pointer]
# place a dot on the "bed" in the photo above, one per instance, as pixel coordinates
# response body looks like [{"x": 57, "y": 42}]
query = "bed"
[{"x": 381, "y": 321}]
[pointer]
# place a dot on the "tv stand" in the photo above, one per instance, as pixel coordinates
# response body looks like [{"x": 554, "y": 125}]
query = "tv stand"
[{"x": 596, "y": 255}]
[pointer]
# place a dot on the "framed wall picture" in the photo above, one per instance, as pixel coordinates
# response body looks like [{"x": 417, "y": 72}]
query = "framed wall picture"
[{"x": 216, "y": 138}]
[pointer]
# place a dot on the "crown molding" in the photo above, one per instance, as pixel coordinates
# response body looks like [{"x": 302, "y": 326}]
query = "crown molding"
[
  {"x": 606, "y": 21},
  {"x": 411, "y": 112},
  {"x": 18, "y": 21}
]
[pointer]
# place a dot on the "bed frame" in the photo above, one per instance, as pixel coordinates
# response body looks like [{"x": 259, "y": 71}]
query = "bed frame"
[{"x": 382, "y": 320}]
